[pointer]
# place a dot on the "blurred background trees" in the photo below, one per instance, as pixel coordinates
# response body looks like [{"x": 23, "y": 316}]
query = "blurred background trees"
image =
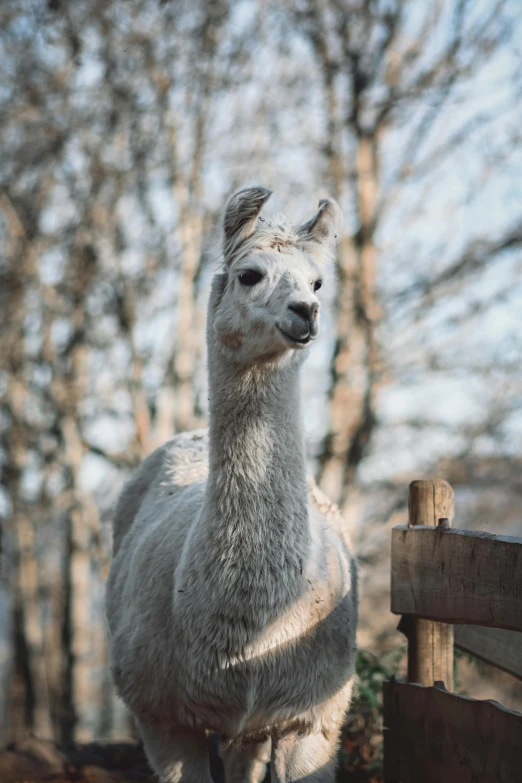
[{"x": 123, "y": 127}]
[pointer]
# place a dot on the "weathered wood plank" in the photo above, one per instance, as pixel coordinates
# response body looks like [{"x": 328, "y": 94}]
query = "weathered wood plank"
[
  {"x": 494, "y": 645},
  {"x": 457, "y": 576},
  {"x": 431, "y": 735}
]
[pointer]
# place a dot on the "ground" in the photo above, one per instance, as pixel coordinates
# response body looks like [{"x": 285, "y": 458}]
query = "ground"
[{"x": 38, "y": 761}]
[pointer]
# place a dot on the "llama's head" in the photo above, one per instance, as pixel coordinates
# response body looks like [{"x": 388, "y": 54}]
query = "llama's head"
[{"x": 265, "y": 305}]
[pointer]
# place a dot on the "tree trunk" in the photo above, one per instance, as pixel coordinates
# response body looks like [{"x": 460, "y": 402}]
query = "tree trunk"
[
  {"x": 355, "y": 360},
  {"x": 27, "y": 621},
  {"x": 82, "y": 695}
]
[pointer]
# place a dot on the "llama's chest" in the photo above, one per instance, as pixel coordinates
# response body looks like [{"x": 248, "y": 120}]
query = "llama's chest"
[
  {"x": 206, "y": 666},
  {"x": 299, "y": 661}
]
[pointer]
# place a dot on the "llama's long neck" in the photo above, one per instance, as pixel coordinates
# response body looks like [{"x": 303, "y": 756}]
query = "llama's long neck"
[{"x": 255, "y": 505}]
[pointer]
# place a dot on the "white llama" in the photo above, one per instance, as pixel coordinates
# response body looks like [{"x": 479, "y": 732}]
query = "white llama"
[{"x": 232, "y": 595}]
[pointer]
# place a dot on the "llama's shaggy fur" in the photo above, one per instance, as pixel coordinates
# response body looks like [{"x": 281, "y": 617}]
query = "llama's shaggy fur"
[{"x": 232, "y": 596}]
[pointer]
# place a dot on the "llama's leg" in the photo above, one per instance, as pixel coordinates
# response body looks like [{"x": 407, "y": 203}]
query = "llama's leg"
[
  {"x": 176, "y": 755},
  {"x": 311, "y": 758},
  {"x": 246, "y": 763}
]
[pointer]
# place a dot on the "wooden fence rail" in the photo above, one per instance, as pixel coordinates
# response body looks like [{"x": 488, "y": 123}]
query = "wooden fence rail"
[
  {"x": 457, "y": 576},
  {"x": 439, "y": 737},
  {"x": 493, "y": 645},
  {"x": 442, "y": 577}
]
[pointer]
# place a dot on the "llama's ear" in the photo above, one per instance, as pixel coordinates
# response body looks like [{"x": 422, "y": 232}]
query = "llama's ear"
[
  {"x": 325, "y": 225},
  {"x": 241, "y": 213}
]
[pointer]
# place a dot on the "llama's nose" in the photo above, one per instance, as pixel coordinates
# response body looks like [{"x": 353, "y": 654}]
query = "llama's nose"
[
  {"x": 302, "y": 320},
  {"x": 305, "y": 310}
]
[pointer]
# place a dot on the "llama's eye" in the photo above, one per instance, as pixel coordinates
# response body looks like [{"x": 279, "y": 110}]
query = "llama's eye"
[
  {"x": 317, "y": 285},
  {"x": 250, "y": 277}
]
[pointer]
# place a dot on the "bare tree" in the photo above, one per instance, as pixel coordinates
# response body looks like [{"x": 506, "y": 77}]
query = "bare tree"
[
  {"x": 380, "y": 76},
  {"x": 123, "y": 126}
]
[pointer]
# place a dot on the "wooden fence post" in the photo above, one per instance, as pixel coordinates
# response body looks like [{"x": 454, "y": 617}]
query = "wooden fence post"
[{"x": 430, "y": 644}]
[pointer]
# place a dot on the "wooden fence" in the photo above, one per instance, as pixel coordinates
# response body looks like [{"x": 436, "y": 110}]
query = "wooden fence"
[{"x": 453, "y": 588}]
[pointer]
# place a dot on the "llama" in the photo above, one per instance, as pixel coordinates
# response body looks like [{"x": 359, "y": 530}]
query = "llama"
[{"x": 232, "y": 594}]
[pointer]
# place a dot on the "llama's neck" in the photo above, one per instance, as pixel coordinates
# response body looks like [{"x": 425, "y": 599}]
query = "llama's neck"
[{"x": 256, "y": 499}]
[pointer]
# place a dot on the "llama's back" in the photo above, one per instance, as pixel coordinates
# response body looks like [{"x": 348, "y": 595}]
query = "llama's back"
[{"x": 178, "y": 463}]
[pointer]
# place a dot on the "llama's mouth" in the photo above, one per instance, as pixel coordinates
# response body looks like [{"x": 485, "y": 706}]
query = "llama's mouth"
[{"x": 296, "y": 342}]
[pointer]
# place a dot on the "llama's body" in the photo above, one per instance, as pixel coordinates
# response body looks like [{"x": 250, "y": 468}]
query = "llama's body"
[
  {"x": 204, "y": 668},
  {"x": 232, "y": 597}
]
